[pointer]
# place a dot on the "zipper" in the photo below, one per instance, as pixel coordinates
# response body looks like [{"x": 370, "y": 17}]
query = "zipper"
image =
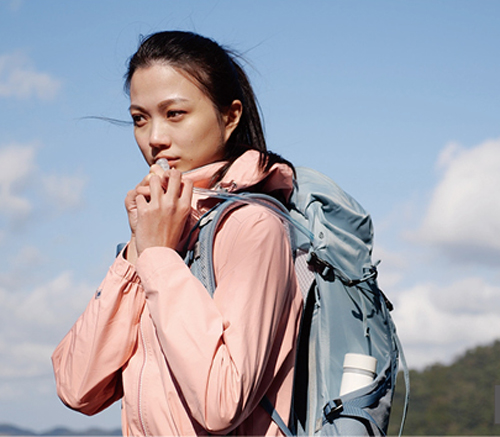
[{"x": 141, "y": 374}]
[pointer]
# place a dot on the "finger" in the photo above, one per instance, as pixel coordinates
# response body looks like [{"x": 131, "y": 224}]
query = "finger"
[
  {"x": 153, "y": 170},
  {"x": 156, "y": 169},
  {"x": 130, "y": 199},
  {"x": 155, "y": 188},
  {"x": 141, "y": 202},
  {"x": 185, "y": 198},
  {"x": 131, "y": 194},
  {"x": 187, "y": 190},
  {"x": 174, "y": 185},
  {"x": 164, "y": 179},
  {"x": 143, "y": 183},
  {"x": 145, "y": 191}
]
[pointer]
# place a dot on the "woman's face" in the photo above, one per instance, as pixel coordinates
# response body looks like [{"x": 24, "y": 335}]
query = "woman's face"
[{"x": 174, "y": 119}]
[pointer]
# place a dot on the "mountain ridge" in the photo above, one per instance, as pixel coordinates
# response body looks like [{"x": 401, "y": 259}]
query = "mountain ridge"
[
  {"x": 456, "y": 399},
  {"x": 13, "y": 430}
]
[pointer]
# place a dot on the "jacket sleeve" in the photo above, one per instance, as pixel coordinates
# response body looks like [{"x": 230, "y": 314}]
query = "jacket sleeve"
[
  {"x": 88, "y": 361},
  {"x": 225, "y": 352}
]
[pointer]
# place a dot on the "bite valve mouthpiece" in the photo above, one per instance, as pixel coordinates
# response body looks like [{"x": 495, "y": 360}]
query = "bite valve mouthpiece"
[{"x": 163, "y": 163}]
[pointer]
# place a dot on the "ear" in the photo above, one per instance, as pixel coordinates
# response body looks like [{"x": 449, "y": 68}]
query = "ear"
[{"x": 231, "y": 118}]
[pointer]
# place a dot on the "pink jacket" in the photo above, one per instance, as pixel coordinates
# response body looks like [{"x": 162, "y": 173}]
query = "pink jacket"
[{"x": 185, "y": 363}]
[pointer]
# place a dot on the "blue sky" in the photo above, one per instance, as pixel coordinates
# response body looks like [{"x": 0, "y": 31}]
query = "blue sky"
[{"x": 397, "y": 101}]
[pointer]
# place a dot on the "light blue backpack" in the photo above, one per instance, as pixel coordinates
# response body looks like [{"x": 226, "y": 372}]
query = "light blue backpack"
[{"x": 344, "y": 310}]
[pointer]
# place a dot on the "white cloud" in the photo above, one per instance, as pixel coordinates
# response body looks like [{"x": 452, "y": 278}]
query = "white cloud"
[
  {"x": 24, "y": 188},
  {"x": 34, "y": 321},
  {"x": 17, "y": 163},
  {"x": 27, "y": 257},
  {"x": 64, "y": 192},
  {"x": 437, "y": 323},
  {"x": 392, "y": 268},
  {"x": 19, "y": 79},
  {"x": 21, "y": 269},
  {"x": 25, "y": 360},
  {"x": 55, "y": 303},
  {"x": 463, "y": 217}
]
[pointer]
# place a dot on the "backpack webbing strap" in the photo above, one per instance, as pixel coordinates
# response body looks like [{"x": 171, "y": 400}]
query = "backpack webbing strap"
[
  {"x": 269, "y": 408},
  {"x": 353, "y": 408},
  {"x": 208, "y": 226},
  {"x": 406, "y": 374},
  {"x": 203, "y": 248},
  {"x": 359, "y": 413}
]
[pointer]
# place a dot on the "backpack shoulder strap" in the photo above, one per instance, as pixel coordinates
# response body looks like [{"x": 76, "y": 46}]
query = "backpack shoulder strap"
[
  {"x": 266, "y": 404},
  {"x": 200, "y": 257}
]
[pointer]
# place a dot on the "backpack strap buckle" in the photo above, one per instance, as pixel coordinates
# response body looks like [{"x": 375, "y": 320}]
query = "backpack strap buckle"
[
  {"x": 332, "y": 409},
  {"x": 324, "y": 269}
]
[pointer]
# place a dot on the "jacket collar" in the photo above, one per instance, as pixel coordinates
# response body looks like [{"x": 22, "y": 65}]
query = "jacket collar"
[{"x": 245, "y": 173}]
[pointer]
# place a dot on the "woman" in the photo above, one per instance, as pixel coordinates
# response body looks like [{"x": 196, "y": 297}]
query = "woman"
[{"x": 185, "y": 363}]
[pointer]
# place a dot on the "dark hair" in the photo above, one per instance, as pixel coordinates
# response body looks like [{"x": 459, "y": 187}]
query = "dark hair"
[{"x": 219, "y": 76}]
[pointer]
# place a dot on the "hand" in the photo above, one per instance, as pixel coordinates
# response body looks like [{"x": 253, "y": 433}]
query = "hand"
[
  {"x": 131, "y": 207},
  {"x": 161, "y": 210},
  {"x": 143, "y": 189}
]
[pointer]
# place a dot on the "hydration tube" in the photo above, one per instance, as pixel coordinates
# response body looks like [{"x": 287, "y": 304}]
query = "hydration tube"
[{"x": 163, "y": 163}]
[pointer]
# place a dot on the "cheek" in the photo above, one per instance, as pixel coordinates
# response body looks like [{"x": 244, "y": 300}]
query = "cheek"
[
  {"x": 214, "y": 135},
  {"x": 200, "y": 138},
  {"x": 142, "y": 143}
]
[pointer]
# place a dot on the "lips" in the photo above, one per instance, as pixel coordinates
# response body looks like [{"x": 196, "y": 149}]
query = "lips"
[{"x": 171, "y": 161}]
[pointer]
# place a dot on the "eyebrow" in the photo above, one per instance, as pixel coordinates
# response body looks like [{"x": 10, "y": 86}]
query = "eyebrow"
[{"x": 163, "y": 104}]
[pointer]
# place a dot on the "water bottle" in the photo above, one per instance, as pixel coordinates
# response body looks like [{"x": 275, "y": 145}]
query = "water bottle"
[{"x": 359, "y": 371}]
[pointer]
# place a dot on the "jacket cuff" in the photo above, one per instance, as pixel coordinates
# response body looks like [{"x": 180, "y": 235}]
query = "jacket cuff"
[
  {"x": 124, "y": 269},
  {"x": 155, "y": 259}
]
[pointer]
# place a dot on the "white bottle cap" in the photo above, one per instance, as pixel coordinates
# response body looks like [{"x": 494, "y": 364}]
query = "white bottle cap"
[
  {"x": 359, "y": 371},
  {"x": 361, "y": 362}
]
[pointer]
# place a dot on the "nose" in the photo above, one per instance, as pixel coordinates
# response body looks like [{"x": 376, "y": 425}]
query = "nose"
[{"x": 159, "y": 137}]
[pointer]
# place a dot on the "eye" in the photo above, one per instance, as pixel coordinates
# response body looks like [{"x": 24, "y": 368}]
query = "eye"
[
  {"x": 138, "y": 120},
  {"x": 175, "y": 114}
]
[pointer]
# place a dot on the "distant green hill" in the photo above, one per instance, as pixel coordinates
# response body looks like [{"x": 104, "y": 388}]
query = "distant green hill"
[
  {"x": 458, "y": 399},
  {"x": 11, "y": 430}
]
